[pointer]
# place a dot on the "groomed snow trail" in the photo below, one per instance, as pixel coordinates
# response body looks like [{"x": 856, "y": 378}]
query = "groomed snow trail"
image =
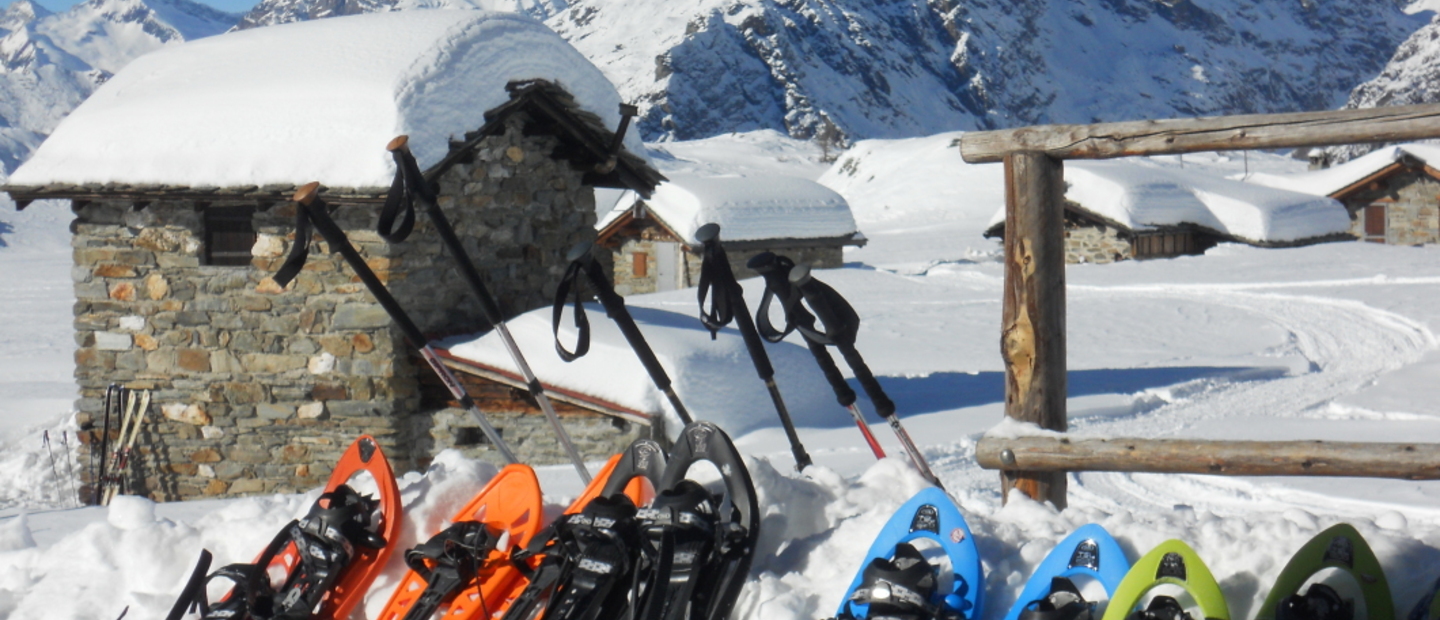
[{"x": 1348, "y": 344}]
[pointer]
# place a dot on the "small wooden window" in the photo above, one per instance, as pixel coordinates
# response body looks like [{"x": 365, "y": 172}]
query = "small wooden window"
[
  {"x": 1375, "y": 223},
  {"x": 641, "y": 268},
  {"x": 229, "y": 235}
]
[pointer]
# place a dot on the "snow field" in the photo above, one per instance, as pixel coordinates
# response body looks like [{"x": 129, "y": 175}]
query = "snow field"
[{"x": 1324, "y": 342}]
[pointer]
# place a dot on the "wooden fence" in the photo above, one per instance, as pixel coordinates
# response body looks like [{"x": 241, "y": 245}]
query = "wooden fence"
[{"x": 1033, "y": 316}]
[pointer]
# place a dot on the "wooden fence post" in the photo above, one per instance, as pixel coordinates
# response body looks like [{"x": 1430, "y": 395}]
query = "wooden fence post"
[{"x": 1032, "y": 337}]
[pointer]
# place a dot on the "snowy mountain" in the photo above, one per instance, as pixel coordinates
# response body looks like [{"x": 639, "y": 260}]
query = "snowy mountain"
[
  {"x": 1410, "y": 78},
  {"x": 271, "y": 12},
  {"x": 744, "y": 64},
  {"x": 50, "y": 62}
]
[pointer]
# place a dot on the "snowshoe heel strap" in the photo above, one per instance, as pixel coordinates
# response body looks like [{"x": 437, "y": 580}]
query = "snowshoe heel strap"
[
  {"x": 898, "y": 587},
  {"x": 1161, "y": 608},
  {"x": 1064, "y": 602},
  {"x": 1320, "y": 602},
  {"x": 679, "y": 537}
]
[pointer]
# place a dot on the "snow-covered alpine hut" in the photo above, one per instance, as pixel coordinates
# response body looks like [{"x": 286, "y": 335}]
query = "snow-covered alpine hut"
[
  {"x": 652, "y": 240},
  {"x": 1392, "y": 194},
  {"x": 180, "y": 171},
  {"x": 1118, "y": 210}
]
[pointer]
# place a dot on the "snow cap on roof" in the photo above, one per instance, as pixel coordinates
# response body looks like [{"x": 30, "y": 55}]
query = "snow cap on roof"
[
  {"x": 751, "y": 207},
  {"x": 1331, "y": 180},
  {"x": 1144, "y": 197},
  {"x": 311, "y": 101}
]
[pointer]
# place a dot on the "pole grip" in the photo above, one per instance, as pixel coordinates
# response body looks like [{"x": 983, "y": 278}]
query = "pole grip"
[{"x": 615, "y": 307}]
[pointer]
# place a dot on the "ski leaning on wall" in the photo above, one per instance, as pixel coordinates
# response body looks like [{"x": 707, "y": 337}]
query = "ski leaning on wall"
[{"x": 324, "y": 562}]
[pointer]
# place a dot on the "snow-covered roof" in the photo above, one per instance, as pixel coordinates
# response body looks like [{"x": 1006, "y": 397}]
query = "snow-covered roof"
[
  {"x": 311, "y": 101},
  {"x": 1331, "y": 180},
  {"x": 1142, "y": 197},
  {"x": 747, "y": 207}
]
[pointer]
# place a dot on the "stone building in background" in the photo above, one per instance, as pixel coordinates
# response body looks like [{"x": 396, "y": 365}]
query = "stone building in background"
[
  {"x": 652, "y": 240},
  {"x": 180, "y": 173}
]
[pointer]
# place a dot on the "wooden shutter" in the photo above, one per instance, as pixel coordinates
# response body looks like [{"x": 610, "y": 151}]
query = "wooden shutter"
[{"x": 229, "y": 235}]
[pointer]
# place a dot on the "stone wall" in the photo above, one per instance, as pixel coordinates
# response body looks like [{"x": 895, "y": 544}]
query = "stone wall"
[
  {"x": 1412, "y": 208},
  {"x": 259, "y": 390},
  {"x": 1095, "y": 244}
]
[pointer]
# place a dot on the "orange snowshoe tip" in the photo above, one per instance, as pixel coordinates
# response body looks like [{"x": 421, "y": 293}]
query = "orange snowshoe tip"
[
  {"x": 509, "y": 504},
  {"x": 640, "y": 490}
]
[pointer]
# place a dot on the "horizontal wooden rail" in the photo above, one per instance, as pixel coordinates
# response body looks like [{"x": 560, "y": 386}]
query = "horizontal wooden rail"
[
  {"x": 1168, "y": 137},
  {"x": 1410, "y": 461}
]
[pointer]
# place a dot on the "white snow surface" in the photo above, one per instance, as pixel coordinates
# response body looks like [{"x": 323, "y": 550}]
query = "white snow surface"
[
  {"x": 1335, "y": 178},
  {"x": 1334, "y": 341},
  {"x": 1143, "y": 196},
  {"x": 751, "y": 207},
  {"x": 311, "y": 101}
]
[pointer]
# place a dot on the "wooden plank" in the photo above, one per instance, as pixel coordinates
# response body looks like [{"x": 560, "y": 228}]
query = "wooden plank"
[
  {"x": 1032, "y": 340},
  {"x": 1173, "y": 136},
  {"x": 1410, "y": 461}
]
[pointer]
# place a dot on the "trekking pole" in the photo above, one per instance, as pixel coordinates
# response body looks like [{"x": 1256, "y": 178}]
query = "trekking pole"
[
  {"x": 69, "y": 467},
  {"x": 312, "y": 210},
  {"x": 841, "y": 324},
  {"x": 45, "y": 441},
  {"x": 582, "y": 261},
  {"x": 776, "y": 271},
  {"x": 727, "y": 303},
  {"x": 408, "y": 185}
]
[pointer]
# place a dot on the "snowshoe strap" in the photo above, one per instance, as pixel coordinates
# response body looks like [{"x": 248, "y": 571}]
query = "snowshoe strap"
[
  {"x": 1062, "y": 603},
  {"x": 678, "y": 536},
  {"x": 1161, "y": 608},
  {"x": 192, "y": 597},
  {"x": 582, "y": 323},
  {"x": 449, "y": 561},
  {"x": 252, "y": 596},
  {"x": 1320, "y": 602},
  {"x": 899, "y": 587},
  {"x": 586, "y": 556}
]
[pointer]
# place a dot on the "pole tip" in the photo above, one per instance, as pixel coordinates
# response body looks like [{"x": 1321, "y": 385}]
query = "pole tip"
[
  {"x": 579, "y": 250},
  {"x": 401, "y": 141},
  {"x": 707, "y": 233},
  {"x": 800, "y": 274},
  {"x": 306, "y": 193}
]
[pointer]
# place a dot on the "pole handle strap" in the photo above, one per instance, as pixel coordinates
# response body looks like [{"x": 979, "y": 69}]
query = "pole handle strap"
[
  {"x": 299, "y": 249},
  {"x": 582, "y": 322},
  {"x": 400, "y": 201},
  {"x": 716, "y": 283}
]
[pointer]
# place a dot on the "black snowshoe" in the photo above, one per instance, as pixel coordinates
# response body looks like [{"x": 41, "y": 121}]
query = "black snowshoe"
[
  {"x": 325, "y": 540},
  {"x": 697, "y": 547}
]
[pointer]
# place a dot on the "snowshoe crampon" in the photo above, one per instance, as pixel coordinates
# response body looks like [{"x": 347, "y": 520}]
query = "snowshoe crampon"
[
  {"x": 696, "y": 547},
  {"x": 897, "y": 580},
  {"x": 581, "y": 565},
  {"x": 1051, "y": 594},
  {"x": 1171, "y": 562},
  {"x": 464, "y": 569},
  {"x": 1339, "y": 547},
  {"x": 318, "y": 566}
]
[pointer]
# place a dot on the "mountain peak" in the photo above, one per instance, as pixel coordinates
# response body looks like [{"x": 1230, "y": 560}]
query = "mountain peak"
[{"x": 20, "y": 13}]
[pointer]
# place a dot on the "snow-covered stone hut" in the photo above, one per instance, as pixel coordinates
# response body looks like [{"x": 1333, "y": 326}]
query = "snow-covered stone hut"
[
  {"x": 1119, "y": 210},
  {"x": 180, "y": 172},
  {"x": 1392, "y": 194},
  {"x": 652, "y": 240}
]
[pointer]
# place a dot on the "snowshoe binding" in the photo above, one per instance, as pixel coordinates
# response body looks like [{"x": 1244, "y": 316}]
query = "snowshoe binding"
[
  {"x": 318, "y": 567},
  {"x": 1088, "y": 551},
  {"x": 1340, "y": 547},
  {"x": 464, "y": 569},
  {"x": 1161, "y": 608},
  {"x": 933, "y": 516},
  {"x": 696, "y": 547},
  {"x": 1174, "y": 563},
  {"x": 581, "y": 566}
]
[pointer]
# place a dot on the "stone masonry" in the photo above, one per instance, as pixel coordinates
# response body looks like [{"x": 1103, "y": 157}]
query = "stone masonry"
[
  {"x": 1095, "y": 244},
  {"x": 1412, "y": 208},
  {"x": 259, "y": 390}
]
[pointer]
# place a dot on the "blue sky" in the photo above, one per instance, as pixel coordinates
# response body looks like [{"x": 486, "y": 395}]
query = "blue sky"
[{"x": 229, "y": 6}]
